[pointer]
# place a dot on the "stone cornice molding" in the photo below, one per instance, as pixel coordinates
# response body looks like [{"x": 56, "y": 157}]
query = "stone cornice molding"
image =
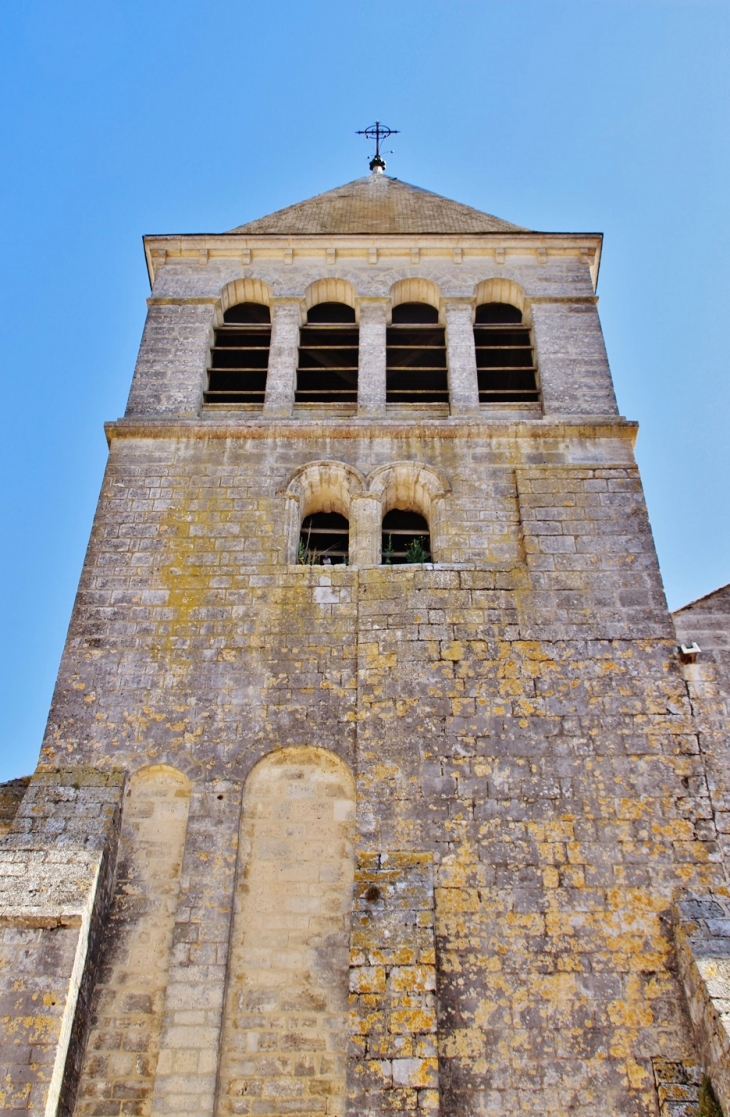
[{"x": 205, "y": 248}]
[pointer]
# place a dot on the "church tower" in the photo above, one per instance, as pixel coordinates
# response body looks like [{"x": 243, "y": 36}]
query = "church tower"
[{"x": 371, "y": 780}]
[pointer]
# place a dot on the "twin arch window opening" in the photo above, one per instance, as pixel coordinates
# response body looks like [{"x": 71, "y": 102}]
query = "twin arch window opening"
[
  {"x": 416, "y": 369},
  {"x": 324, "y": 539}
]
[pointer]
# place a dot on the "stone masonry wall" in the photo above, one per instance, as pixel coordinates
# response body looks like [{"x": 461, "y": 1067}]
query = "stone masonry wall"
[
  {"x": 517, "y": 715},
  {"x": 707, "y": 623},
  {"x": 57, "y": 867}
]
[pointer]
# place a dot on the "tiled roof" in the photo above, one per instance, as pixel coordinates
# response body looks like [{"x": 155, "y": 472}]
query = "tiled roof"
[{"x": 377, "y": 204}]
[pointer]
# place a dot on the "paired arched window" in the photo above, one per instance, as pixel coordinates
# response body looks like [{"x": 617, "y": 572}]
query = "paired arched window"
[
  {"x": 505, "y": 357},
  {"x": 406, "y": 537},
  {"x": 328, "y": 356},
  {"x": 416, "y": 356},
  {"x": 324, "y": 540},
  {"x": 240, "y": 356}
]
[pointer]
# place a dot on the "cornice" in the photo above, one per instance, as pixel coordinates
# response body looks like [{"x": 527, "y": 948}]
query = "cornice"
[{"x": 204, "y": 248}]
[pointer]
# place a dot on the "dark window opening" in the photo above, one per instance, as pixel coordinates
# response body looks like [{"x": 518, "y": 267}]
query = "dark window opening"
[
  {"x": 416, "y": 356},
  {"x": 328, "y": 356},
  {"x": 406, "y": 538},
  {"x": 240, "y": 356},
  {"x": 324, "y": 540},
  {"x": 506, "y": 368}
]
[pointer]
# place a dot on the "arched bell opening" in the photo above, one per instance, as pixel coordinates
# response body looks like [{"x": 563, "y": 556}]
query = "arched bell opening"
[
  {"x": 240, "y": 356},
  {"x": 506, "y": 369},
  {"x": 416, "y": 356},
  {"x": 328, "y": 356},
  {"x": 406, "y": 538},
  {"x": 324, "y": 540}
]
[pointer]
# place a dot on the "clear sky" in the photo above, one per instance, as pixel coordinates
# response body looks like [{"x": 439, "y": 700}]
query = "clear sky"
[{"x": 165, "y": 116}]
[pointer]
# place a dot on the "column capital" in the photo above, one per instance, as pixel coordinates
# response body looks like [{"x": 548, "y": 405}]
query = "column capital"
[
  {"x": 365, "y": 494},
  {"x": 372, "y": 300}
]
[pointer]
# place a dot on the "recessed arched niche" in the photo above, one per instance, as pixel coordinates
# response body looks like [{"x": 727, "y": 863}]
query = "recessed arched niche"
[
  {"x": 137, "y": 944},
  {"x": 285, "y": 1031}
]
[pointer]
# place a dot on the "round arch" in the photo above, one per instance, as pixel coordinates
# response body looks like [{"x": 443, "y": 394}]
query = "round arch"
[
  {"x": 413, "y": 487},
  {"x": 330, "y": 290},
  {"x": 149, "y": 773},
  {"x": 325, "y": 486},
  {"x": 415, "y": 290},
  {"x": 499, "y": 290},
  {"x": 244, "y": 291},
  {"x": 408, "y": 485},
  {"x": 319, "y": 486}
]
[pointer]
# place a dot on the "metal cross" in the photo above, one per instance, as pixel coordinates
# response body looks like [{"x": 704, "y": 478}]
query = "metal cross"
[{"x": 378, "y": 132}]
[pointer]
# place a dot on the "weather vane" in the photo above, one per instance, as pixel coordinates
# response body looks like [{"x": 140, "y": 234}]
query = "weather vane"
[{"x": 378, "y": 132}]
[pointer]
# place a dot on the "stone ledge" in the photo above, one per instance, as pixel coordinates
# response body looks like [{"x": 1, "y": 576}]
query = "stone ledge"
[{"x": 547, "y": 427}]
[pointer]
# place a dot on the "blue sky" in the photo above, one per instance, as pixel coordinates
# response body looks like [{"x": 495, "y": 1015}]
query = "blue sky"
[{"x": 124, "y": 118}]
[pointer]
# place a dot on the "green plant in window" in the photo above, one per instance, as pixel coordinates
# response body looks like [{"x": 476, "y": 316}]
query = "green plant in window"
[
  {"x": 388, "y": 552},
  {"x": 709, "y": 1105},
  {"x": 416, "y": 552},
  {"x": 305, "y": 557}
]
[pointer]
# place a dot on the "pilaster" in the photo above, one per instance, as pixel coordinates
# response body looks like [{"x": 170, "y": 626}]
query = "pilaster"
[
  {"x": 282, "y": 374},
  {"x": 365, "y": 518},
  {"x": 188, "y": 1061},
  {"x": 372, "y": 359},
  {"x": 461, "y": 356}
]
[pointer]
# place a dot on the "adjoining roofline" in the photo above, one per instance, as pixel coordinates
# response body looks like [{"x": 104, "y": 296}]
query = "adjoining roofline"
[{"x": 699, "y": 600}]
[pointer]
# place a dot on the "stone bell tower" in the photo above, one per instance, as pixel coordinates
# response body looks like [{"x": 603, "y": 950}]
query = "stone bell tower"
[{"x": 371, "y": 777}]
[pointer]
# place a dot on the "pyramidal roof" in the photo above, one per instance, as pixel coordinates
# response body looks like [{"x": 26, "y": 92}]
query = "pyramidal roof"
[{"x": 377, "y": 204}]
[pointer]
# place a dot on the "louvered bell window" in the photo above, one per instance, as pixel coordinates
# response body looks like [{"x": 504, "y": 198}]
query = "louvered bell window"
[
  {"x": 505, "y": 357},
  {"x": 240, "y": 356},
  {"x": 416, "y": 356},
  {"x": 328, "y": 357}
]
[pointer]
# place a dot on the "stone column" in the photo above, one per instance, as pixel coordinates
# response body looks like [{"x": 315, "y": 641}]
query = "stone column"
[
  {"x": 292, "y": 527},
  {"x": 461, "y": 357},
  {"x": 365, "y": 529},
  {"x": 282, "y": 374},
  {"x": 371, "y": 370},
  {"x": 441, "y": 541}
]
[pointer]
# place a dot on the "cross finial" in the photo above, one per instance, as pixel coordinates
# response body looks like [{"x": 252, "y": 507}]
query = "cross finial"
[{"x": 378, "y": 132}]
